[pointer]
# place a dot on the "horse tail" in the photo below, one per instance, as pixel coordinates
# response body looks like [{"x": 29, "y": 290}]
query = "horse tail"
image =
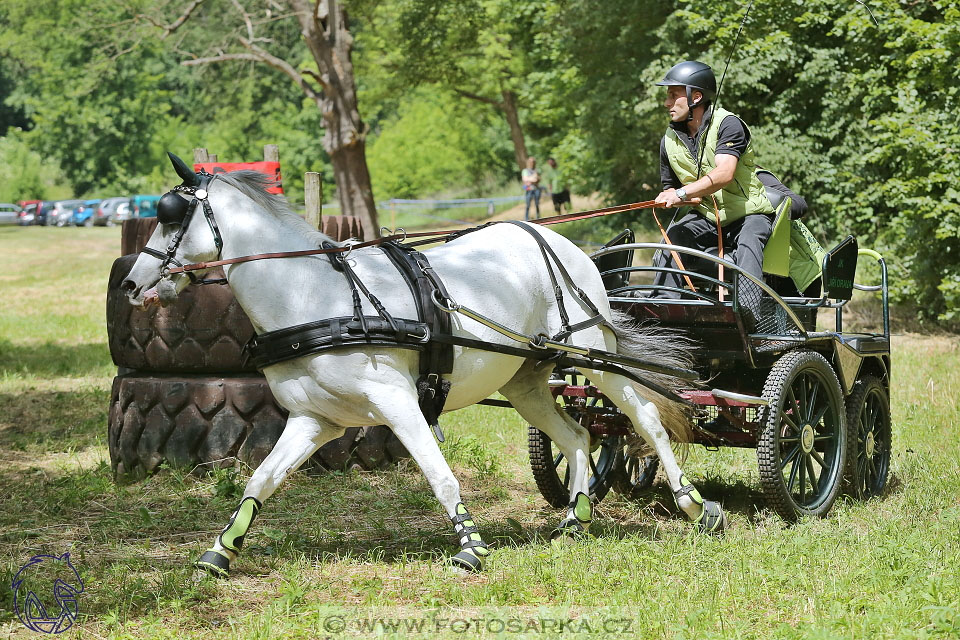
[{"x": 666, "y": 347}]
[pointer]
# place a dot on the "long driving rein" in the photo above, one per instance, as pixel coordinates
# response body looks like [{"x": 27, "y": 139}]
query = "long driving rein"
[{"x": 200, "y": 196}]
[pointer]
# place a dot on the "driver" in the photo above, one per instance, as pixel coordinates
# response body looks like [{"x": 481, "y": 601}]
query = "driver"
[{"x": 707, "y": 153}]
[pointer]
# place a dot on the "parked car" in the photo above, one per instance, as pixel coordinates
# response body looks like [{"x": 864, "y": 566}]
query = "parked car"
[
  {"x": 61, "y": 214},
  {"x": 28, "y": 215},
  {"x": 108, "y": 213},
  {"x": 143, "y": 206},
  {"x": 83, "y": 214},
  {"x": 9, "y": 213}
]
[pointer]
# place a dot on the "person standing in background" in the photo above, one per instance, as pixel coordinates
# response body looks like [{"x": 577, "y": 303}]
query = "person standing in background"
[
  {"x": 530, "y": 177},
  {"x": 558, "y": 186}
]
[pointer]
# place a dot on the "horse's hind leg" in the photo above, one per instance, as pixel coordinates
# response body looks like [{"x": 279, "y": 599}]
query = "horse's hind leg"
[
  {"x": 398, "y": 408},
  {"x": 529, "y": 394},
  {"x": 301, "y": 436},
  {"x": 707, "y": 515}
]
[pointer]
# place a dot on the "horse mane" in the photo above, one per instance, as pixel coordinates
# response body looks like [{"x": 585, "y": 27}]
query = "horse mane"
[{"x": 254, "y": 185}]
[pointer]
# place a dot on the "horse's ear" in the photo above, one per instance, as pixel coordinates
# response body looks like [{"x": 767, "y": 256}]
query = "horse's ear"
[{"x": 186, "y": 173}]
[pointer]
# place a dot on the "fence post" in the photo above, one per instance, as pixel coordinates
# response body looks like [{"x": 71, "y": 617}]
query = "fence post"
[
  {"x": 312, "y": 198},
  {"x": 200, "y": 155},
  {"x": 271, "y": 153},
  {"x": 212, "y": 157}
]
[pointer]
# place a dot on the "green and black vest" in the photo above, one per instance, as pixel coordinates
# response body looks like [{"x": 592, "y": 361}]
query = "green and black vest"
[{"x": 742, "y": 197}]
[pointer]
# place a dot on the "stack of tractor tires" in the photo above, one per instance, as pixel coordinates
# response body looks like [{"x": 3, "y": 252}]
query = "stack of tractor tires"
[{"x": 184, "y": 394}]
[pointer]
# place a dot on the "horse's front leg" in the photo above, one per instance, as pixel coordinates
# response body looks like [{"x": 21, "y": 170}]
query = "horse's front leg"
[
  {"x": 530, "y": 395},
  {"x": 301, "y": 436},
  {"x": 397, "y": 407}
]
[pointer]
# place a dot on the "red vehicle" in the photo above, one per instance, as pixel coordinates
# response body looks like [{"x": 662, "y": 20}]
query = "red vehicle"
[{"x": 28, "y": 211}]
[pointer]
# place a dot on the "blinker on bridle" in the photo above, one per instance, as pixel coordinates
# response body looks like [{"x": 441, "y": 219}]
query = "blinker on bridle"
[{"x": 173, "y": 208}]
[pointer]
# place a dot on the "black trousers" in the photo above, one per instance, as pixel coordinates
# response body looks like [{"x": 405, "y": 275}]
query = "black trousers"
[{"x": 743, "y": 243}]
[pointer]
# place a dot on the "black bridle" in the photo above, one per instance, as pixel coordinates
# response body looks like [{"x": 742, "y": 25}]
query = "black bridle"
[{"x": 175, "y": 209}]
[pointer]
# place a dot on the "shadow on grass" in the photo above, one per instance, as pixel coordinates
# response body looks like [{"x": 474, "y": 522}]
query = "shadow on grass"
[
  {"x": 53, "y": 421},
  {"x": 52, "y": 360}
]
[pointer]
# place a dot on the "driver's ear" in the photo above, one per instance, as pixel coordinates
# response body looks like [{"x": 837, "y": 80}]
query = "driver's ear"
[{"x": 696, "y": 101}]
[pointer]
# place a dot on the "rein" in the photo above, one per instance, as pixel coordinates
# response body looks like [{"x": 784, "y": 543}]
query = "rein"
[{"x": 568, "y": 217}]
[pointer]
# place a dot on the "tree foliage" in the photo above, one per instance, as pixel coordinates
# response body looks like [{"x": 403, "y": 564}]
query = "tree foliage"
[{"x": 859, "y": 117}]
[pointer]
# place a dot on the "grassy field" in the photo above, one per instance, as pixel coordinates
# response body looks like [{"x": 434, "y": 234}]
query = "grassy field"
[{"x": 359, "y": 555}]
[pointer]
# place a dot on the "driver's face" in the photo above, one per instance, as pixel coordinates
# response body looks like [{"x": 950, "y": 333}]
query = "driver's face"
[{"x": 676, "y": 103}]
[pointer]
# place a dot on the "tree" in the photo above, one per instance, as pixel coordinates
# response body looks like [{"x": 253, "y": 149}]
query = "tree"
[
  {"x": 858, "y": 117},
  {"x": 483, "y": 50},
  {"x": 266, "y": 33}
]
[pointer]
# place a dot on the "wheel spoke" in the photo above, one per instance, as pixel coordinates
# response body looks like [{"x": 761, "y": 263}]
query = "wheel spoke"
[
  {"x": 813, "y": 478},
  {"x": 820, "y": 415},
  {"x": 803, "y": 481},
  {"x": 557, "y": 460},
  {"x": 816, "y": 456},
  {"x": 791, "y": 456},
  {"x": 803, "y": 396},
  {"x": 593, "y": 466},
  {"x": 566, "y": 477},
  {"x": 793, "y": 475},
  {"x": 793, "y": 425},
  {"x": 793, "y": 401},
  {"x": 813, "y": 402}
]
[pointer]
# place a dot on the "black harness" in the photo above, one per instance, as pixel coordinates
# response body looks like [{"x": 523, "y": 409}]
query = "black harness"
[
  {"x": 175, "y": 209},
  {"x": 436, "y": 358},
  {"x": 431, "y": 333}
]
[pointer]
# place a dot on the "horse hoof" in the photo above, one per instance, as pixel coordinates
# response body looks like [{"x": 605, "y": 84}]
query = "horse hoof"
[
  {"x": 568, "y": 530},
  {"x": 713, "y": 519},
  {"x": 216, "y": 564},
  {"x": 466, "y": 561}
]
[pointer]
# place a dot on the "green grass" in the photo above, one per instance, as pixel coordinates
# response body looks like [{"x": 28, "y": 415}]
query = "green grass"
[{"x": 359, "y": 547}]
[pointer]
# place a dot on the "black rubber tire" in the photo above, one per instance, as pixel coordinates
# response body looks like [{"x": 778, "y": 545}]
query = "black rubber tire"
[
  {"x": 188, "y": 421},
  {"x": 202, "y": 331},
  {"x": 820, "y": 439},
  {"x": 549, "y": 467},
  {"x": 868, "y": 421}
]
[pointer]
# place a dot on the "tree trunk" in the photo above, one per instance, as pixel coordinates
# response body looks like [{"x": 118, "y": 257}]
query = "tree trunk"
[
  {"x": 326, "y": 32},
  {"x": 509, "y": 107}
]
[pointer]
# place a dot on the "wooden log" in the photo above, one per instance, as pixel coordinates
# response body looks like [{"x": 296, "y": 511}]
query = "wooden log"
[
  {"x": 312, "y": 198},
  {"x": 200, "y": 155}
]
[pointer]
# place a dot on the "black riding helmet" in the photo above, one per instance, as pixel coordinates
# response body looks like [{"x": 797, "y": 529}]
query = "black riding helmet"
[{"x": 692, "y": 75}]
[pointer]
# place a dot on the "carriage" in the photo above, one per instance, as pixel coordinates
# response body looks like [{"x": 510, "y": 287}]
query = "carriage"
[
  {"x": 358, "y": 334},
  {"x": 814, "y": 404}
]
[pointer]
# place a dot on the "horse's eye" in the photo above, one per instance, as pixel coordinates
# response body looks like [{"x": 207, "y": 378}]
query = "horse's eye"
[{"x": 172, "y": 208}]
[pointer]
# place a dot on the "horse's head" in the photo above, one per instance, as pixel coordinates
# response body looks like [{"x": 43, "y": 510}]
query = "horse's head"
[{"x": 179, "y": 239}]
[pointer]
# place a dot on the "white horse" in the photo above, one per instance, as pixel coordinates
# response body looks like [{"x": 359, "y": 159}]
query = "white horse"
[{"x": 498, "y": 270}]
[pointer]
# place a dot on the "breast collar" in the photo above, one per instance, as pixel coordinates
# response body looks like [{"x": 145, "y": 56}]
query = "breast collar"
[{"x": 199, "y": 197}]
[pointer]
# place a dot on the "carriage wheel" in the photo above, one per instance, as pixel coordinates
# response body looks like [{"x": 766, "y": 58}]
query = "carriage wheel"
[
  {"x": 868, "y": 419},
  {"x": 803, "y": 446},
  {"x": 550, "y": 468},
  {"x": 636, "y": 476},
  {"x": 552, "y": 474}
]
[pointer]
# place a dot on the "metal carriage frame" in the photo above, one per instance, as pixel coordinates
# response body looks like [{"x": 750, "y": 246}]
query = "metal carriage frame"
[{"x": 815, "y": 404}]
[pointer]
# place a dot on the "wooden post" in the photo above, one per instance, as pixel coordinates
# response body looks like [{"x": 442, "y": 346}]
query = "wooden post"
[
  {"x": 271, "y": 153},
  {"x": 212, "y": 157},
  {"x": 312, "y": 198},
  {"x": 200, "y": 155}
]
